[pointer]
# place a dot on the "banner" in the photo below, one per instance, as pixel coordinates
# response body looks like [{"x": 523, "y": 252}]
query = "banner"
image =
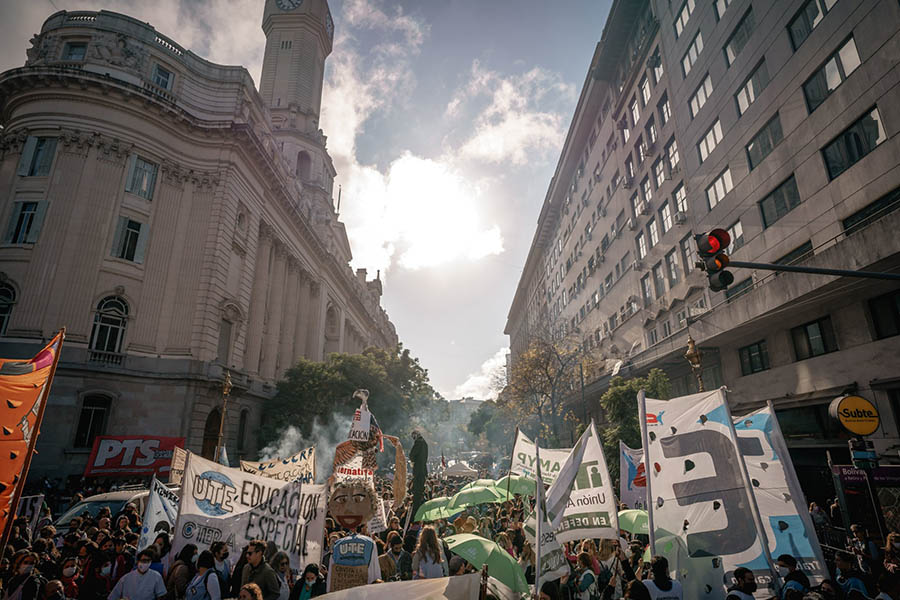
[
  {"x": 126, "y": 455},
  {"x": 160, "y": 513},
  {"x": 176, "y": 473},
  {"x": 583, "y": 487},
  {"x": 378, "y": 523},
  {"x": 782, "y": 506},
  {"x": 700, "y": 509},
  {"x": 632, "y": 477},
  {"x": 30, "y": 508},
  {"x": 300, "y": 466},
  {"x": 550, "y": 558},
  {"x": 221, "y": 503},
  {"x": 523, "y": 459},
  {"x": 24, "y": 386}
]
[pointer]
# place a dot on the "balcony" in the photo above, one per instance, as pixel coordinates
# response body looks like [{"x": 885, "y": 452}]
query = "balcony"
[{"x": 106, "y": 358}]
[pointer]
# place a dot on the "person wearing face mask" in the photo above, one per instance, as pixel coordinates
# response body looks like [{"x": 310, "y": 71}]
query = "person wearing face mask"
[
  {"x": 54, "y": 590},
  {"x": 311, "y": 584},
  {"x": 26, "y": 582},
  {"x": 181, "y": 572},
  {"x": 205, "y": 584},
  {"x": 142, "y": 583},
  {"x": 222, "y": 565},
  {"x": 794, "y": 579},
  {"x": 97, "y": 581},
  {"x": 744, "y": 585},
  {"x": 851, "y": 579},
  {"x": 69, "y": 577}
]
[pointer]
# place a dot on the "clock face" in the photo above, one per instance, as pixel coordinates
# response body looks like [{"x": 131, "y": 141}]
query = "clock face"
[
  {"x": 288, "y": 4},
  {"x": 329, "y": 24}
]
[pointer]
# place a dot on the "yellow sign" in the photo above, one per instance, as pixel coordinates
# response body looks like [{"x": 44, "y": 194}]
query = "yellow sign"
[{"x": 856, "y": 414}]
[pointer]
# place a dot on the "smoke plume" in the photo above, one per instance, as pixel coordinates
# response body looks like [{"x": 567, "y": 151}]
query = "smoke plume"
[{"x": 324, "y": 435}]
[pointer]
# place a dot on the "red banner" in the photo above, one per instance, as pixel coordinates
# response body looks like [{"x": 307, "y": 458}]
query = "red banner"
[{"x": 126, "y": 455}]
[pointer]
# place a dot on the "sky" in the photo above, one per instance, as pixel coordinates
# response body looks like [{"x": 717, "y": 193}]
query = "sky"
[{"x": 445, "y": 121}]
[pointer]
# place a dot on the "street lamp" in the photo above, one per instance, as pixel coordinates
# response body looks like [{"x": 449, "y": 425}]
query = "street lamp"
[
  {"x": 694, "y": 357},
  {"x": 226, "y": 390}
]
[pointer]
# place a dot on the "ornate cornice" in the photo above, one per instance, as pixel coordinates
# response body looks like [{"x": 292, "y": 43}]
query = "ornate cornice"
[
  {"x": 113, "y": 150},
  {"x": 75, "y": 141}
]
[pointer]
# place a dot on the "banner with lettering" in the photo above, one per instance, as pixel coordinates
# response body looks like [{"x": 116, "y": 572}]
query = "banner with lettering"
[
  {"x": 632, "y": 477},
  {"x": 137, "y": 455},
  {"x": 221, "y": 503},
  {"x": 700, "y": 507},
  {"x": 550, "y": 558},
  {"x": 300, "y": 466},
  {"x": 782, "y": 506},
  {"x": 30, "y": 509},
  {"x": 523, "y": 459},
  {"x": 176, "y": 472},
  {"x": 160, "y": 513}
]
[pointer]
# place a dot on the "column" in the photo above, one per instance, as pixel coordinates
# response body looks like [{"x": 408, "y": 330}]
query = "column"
[
  {"x": 274, "y": 310},
  {"x": 315, "y": 334},
  {"x": 303, "y": 307},
  {"x": 286, "y": 354},
  {"x": 258, "y": 300}
]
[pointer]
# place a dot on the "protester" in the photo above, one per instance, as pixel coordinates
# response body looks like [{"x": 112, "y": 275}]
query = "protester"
[
  {"x": 250, "y": 591},
  {"x": 428, "y": 560},
  {"x": 311, "y": 584},
  {"x": 585, "y": 582},
  {"x": 744, "y": 585},
  {"x": 526, "y": 561},
  {"x": 143, "y": 583},
  {"x": 282, "y": 566},
  {"x": 849, "y": 578},
  {"x": 97, "y": 581},
  {"x": 889, "y": 586},
  {"x": 182, "y": 572},
  {"x": 222, "y": 565},
  {"x": 867, "y": 552},
  {"x": 69, "y": 577},
  {"x": 819, "y": 518},
  {"x": 204, "y": 585},
  {"x": 794, "y": 579},
  {"x": 258, "y": 571},
  {"x": 891, "y": 560},
  {"x": 661, "y": 586},
  {"x": 26, "y": 582},
  {"x": 396, "y": 563}
]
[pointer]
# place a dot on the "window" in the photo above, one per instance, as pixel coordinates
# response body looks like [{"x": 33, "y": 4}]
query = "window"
[
  {"x": 640, "y": 149},
  {"x": 659, "y": 173},
  {"x": 752, "y": 88},
  {"x": 162, "y": 77},
  {"x": 242, "y": 430},
  {"x": 681, "y": 19},
  {"x": 680, "y": 197},
  {"x": 666, "y": 329},
  {"x": 75, "y": 51},
  {"x": 798, "y": 254},
  {"x": 665, "y": 113},
  {"x": 141, "y": 177},
  {"x": 629, "y": 168},
  {"x": 109, "y": 325},
  {"x": 657, "y": 66},
  {"x": 645, "y": 90},
  {"x": 672, "y": 267},
  {"x": 854, "y": 143},
  {"x": 635, "y": 204},
  {"x": 647, "y": 190},
  {"x": 872, "y": 212},
  {"x": 37, "y": 157},
  {"x": 25, "y": 222},
  {"x": 718, "y": 188},
  {"x": 832, "y": 74},
  {"x": 646, "y": 291},
  {"x": 286, "y": 44},
  {"x": 608, "y": 281},
  {"x": 807, "y": 19},
  {"x": 710, "y": 140},
  {"x": 754, "y": 358},
  {"x": 130, "y": 240},
  {"x": 736, "y": 231},
  {"x": 91, "y": 421},
  {"x": 652, "y": 338},
  {"x": 885, "y": 311},
  {"x": 672, "y": 154},
  {"x": 651, "y": 131},
  {"x": 659, "y": 281},
  {"x": 635, "y": 112},
  {"x": 223, "y": 354},
  {"x": 764, "y": 142},
  {"x": 613, "y": 320},
  {"x": 693, "y": 52},
  {"x": 721, "y": 5},
  {"x": 665, "y": 217},
  {"x": 814, "y": 339},
  {"x": 701, "y": 95},
  {"x": 740, "y": 37},
  {"x": 654, "y": 232},
  {"x": 780, "y": 202},
  {"x": 641, "y": 242},
  {"x": 688, "y": 254},
  {"x": 7, "y": 300},
  {"x": 739, "y": 289}
]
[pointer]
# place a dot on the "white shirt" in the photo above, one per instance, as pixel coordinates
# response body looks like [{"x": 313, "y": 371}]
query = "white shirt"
[{"x": 658, "y": 594}]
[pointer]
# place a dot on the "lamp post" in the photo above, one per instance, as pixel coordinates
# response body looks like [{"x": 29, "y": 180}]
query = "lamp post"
[
  {"x": 226, "y": 390},
  {"x": 694, "y": 357}
]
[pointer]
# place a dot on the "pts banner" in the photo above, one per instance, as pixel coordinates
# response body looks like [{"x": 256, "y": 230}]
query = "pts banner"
[{"x": 129, "y": 455}]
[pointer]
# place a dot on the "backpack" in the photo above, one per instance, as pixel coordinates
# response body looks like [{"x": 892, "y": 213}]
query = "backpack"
[
  {"x": 198, "y": 591},
  {"x": 594, "y": 590}
]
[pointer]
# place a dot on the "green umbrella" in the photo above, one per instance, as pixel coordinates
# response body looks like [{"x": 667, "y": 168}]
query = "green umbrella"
[
  {"x": 433, "y": 509},
  {"x": 518, "y": 484},
  {"x": 478, "y": 551},
  {"x": 473, "y": 496},
  {"x": 479, "y": 483},
  {"x": 634, "y": 521}
]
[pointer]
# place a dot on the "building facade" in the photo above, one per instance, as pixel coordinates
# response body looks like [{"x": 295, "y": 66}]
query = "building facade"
[
  {"x": 177, "y": 222},
  {"x": 776, "y": 121}
]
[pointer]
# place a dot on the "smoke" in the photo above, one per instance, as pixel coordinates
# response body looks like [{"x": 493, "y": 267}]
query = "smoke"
[{"x": 325, "y": 436}]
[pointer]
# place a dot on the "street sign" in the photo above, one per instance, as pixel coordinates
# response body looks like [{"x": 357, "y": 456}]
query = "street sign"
[{"x": 855, "y": 414}]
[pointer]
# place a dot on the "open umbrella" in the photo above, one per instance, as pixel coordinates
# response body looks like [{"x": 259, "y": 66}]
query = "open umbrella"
[
  {"x": 478, "y": 551},
  {"x": 518, "y": 484},
  {"x": 634, "y": 521},
  {"x": 479, "y": 483},
  {"x": 433, "y": 509},
  {"x": 473, "y": 496}
]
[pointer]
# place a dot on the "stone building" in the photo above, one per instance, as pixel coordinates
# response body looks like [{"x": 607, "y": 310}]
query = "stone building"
[
  {"x": 178, "y": 222},
  {"x": 776, "y": 121}
]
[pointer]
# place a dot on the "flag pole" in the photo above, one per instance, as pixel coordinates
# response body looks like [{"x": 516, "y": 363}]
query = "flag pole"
[
  {"x": 648, "y": 469},
  {"x": 32, "y": 443},
  {"x": 539, "y": 493},
  {"x": 509, "y": 471}
]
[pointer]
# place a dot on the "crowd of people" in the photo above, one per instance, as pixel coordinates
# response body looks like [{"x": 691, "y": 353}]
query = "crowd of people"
[{"x": 99, "y": 558}]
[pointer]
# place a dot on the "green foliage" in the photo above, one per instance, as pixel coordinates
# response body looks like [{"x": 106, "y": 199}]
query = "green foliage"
[
  {"x": 493, "y": 425},
  {"x": 620, "y": 410}
]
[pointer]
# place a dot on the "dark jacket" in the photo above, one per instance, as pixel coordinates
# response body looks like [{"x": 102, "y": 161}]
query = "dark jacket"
[
  {"x": 318, "y": 588},
  {"x": 32, "y": 586},
  {"x": 264, "y": 576}
]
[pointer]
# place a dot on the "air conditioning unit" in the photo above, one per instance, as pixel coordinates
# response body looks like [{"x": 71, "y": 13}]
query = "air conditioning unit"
[
  {"x": 597, "y": 175},
  {"x": 680, "y": 218},
  {"x": 631, "y": 224},
  {"x": 644, "y": 208},
  {"x": 589, "y": 236},
  {"x": 654, "y": 61},
  {"x": 601, "y": 258},
  {"x": 622, "y": 124},
  {"x": 603, "y": 211},
  {"x": 628, "y": 183},
  {"x": 638, "y": 265},
  {"x": 649, "y": 149}
]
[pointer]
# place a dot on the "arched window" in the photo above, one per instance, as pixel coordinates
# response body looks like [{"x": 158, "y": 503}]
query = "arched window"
[
  {"x": 7, "y": 299},
  {"x": 304, "y": 166},
  {"x": 211, "y": 434},
  {"x": 242, "y": 430},
  {"x": 109, "y": 325}
]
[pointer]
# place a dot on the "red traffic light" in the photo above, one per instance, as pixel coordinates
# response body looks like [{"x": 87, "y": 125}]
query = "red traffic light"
[{"x": 713, "y": 242}]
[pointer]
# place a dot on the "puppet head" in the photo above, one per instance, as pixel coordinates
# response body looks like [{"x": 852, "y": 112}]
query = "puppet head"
[{"x": 352, "y": 502}]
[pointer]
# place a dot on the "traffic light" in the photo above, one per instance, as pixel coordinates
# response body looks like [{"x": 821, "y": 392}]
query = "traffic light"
[{"x": 711, "y": 250}]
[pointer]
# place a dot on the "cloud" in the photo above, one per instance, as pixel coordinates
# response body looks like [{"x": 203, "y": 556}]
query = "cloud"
[{"x": 481, "y": 384}]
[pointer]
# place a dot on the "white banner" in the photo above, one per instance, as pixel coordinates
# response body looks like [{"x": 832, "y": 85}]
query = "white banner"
[
  {"x": 523, "y": 459},
  {"x": 550, "y": 558},
  {"x": 160, "y": 513},
  {"x": 176, "y": 472},
  {"x": 632, "y": 477},
  {"x": 378, "y": 523},
  {"x": 701, "y": 511},
  {"x": 30, "y": 508},
  {"x": 359, "y": 428},
  {"x": 782, "y": 506},
  {"x": 221, "y": 503},
  {"x": 300, "y": 466}
]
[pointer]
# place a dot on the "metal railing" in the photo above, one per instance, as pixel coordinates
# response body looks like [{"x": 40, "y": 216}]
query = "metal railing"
[{"x": 107, "y": 358}]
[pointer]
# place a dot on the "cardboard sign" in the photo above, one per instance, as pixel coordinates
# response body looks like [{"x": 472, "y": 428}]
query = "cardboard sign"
[
  {"x": 30, "y": 508},
  {"x": 131, "y": 455},
  {"x": 359, "y": 429},
  {"x": 176, "y": 473},
  {"x": 300, "y": 466}
]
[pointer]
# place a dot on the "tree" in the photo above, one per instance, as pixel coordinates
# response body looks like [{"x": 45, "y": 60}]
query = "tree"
[
  {"x": 493, "y": 426},
  {"x": 620, "y": 411}
]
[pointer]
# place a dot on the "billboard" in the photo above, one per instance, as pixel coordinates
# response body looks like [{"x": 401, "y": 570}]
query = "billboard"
[{"x": 131, "y": 455}]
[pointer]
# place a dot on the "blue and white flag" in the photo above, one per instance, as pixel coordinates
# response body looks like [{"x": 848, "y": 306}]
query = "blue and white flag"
[{"x": 160, "y": 514}]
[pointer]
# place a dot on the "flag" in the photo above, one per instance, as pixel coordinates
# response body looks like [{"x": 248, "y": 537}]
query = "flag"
[
  {"x": 160, "y": 513},
  {"x": 300, "y": 466},
  {"x": 632, "y": 477},
  {"x": 24, "y": 387},
  {"x": 549, "y": 556},
  {"x": 223, "y": 457},
  {"x": 523, "y": 459}
]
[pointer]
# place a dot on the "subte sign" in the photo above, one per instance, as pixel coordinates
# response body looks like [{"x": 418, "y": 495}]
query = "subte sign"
[{"x": 855, "y": 414}]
